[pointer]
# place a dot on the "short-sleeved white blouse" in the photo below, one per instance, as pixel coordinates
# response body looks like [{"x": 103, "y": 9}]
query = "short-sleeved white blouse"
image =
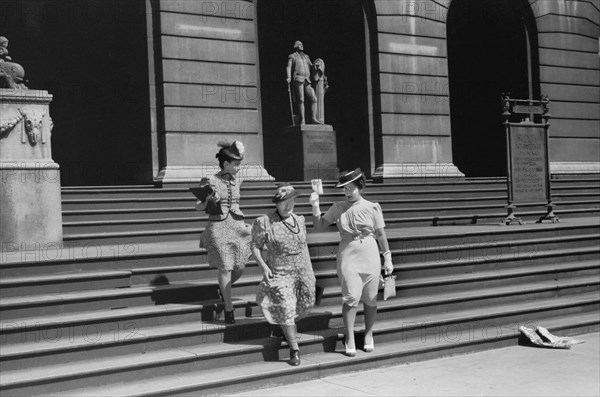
[{"x": 358, "y": 219}]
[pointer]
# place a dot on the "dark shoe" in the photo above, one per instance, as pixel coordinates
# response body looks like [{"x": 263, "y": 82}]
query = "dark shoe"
[
  {"x": 229, "y": 317},
  {"x": 294, "y": 358}
]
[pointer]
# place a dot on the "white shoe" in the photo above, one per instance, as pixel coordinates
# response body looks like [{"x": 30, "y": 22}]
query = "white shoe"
[
  {"x": 369, "y": 347},
  {"x": 350, "y": 352}
]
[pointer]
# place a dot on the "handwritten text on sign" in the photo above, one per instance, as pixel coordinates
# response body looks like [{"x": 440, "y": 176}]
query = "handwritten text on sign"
[{"x": 528, "y": 163}]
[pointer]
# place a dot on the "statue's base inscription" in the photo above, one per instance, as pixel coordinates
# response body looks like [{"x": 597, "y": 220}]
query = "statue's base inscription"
[{"x": 314, "y": 151}]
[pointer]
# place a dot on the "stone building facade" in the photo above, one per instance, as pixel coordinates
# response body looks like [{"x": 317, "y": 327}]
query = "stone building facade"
[{"x": 144, "y": 89}]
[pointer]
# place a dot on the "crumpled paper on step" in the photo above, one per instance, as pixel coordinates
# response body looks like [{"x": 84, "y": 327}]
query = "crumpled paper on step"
[{"x": 540, "y": 336}]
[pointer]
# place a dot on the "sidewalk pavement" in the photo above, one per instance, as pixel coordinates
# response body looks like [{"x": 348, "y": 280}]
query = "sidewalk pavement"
[{"x": 511, "y": 371}]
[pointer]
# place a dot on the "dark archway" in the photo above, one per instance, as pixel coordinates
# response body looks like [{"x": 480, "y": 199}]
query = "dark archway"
[
  {"x": 492, "y": 48},
  {"x": 333, "y": 30},
  {"x": 92, "y": 56}
]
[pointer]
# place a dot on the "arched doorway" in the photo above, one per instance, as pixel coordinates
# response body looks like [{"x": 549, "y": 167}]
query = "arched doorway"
[
  {"x": 492, "y": 48},
  {"x": 333, "y": 30},
  {"x": 91, "y": 55}
]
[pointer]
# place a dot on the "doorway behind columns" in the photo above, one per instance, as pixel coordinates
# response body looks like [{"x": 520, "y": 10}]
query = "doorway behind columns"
[{"x": 487, "y": 55}]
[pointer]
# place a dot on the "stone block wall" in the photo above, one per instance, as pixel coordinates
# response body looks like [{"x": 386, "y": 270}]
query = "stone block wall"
[
  {"x": 209, "y": 84},
  {"x": 569, "y": 33}
]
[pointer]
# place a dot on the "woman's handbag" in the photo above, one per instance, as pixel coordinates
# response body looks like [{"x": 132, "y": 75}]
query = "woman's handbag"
[
  {"x": 213, "y": 205},
  {"x": 388, "y": 284},
  {"x": 211, "y": 198}
]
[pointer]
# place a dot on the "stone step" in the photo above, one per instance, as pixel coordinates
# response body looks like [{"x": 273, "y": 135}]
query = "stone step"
[
  {"x": 323, "y": 256},
  {"x": 423, "y": 286},
  {"x": 248, "y": 200},
  {"x": 263, "y": 186},
  {"x": 58, "y": 283},
  {"x": 193, "y": 232},
  {"x": 187, "y": 209},
  {"x": 203, "y": 294},
  {"x": 183, "y": 198},
  {"x": 394, "y": 214},
  {"x": 481, "y": 295},
  {"x": 57, "y": 348},
  {"x": 477, "y": 217},
  {"x": 255, "y": 376},
  {"x": 480, "y": 268},
  {"x": 435, "y": 242},
  {"x": 170, "y": 362}
]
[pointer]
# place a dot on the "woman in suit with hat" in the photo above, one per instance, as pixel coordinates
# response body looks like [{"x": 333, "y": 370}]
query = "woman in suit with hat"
[
  {"x": 287, "y": 291},
  {"x": 226, "y": 237},
  {"x": 361, "y": 226}
]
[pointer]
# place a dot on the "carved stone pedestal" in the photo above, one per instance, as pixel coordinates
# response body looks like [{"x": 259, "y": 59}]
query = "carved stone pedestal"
[
  {"x": 30, "y": 207},
  {"x": 312, "y": 151}
]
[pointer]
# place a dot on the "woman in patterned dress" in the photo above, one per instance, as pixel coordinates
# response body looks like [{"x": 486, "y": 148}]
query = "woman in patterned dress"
[
  {"x": 287, "y": 291},
  {"x": 361, "y": 226},
  {"x": 227, "y": 237}
]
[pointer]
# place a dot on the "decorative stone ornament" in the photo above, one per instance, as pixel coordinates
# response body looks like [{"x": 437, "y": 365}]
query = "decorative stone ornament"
[
  {"x": 6, "y": 126},
  {"x": 12, "y": 75},
  {"x": 33, "y": 127},
  {"x": 31, "y": 215}
]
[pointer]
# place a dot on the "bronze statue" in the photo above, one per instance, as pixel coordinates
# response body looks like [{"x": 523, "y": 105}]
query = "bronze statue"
[
  {"x": 4, "y": 49},
  {"x": 299, "y": 70},
  {"x": 320, "y": 86},
  {"x": 11, "y": 74}
]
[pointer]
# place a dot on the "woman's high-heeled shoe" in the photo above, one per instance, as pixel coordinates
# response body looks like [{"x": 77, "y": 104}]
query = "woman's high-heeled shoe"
[
  {"x": 294, "y": 358},
  {"x": 369, "y": 347},
  {"x": 229, "y": 317},
  {"x": 349, "y": 352}
]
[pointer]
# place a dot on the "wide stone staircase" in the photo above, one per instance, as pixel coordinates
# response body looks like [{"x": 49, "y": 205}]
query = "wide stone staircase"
[{"x": 129, "y": 305}]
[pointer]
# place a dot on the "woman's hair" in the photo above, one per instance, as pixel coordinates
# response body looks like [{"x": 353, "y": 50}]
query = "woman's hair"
[
  {"x": 360, "y": 182},
  {"x": 230, "y": 152},
  {"x": 223, "y": 157}
]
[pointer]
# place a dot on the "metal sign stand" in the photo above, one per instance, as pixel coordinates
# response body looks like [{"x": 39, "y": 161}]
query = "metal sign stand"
[{"x": 533, "y": 168}]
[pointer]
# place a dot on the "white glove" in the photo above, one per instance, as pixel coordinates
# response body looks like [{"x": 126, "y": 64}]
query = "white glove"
[
  {"x": 388, "y": 266},
  {"x": 314, "y": 202}
]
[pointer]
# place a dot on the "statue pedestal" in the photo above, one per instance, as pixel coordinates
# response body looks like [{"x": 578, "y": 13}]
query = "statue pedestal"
[
  {"x": 30, "y": 206},
  {"x": 312, "y": 151}
]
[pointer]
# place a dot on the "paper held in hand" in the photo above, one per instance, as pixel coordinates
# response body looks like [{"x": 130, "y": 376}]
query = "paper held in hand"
[{"x": 317, "y": 186}]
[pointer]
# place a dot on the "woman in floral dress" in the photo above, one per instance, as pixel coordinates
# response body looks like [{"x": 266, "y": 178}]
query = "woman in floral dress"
[
  {"x": 227, "y": 237},
  {"x": 287, "y": 291}
]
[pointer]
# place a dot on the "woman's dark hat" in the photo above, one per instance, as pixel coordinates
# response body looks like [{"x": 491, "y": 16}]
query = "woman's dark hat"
[
  {"x": 285, "y": 192},
  {"x": 234, "y": 151},
  {"x": 349, "y": 176}
]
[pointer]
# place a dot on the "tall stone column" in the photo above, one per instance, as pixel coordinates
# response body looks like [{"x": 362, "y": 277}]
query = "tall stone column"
[{"x": 30, "y": 207}]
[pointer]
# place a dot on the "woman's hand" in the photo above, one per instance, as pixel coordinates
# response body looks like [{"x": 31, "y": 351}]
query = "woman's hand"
[
  {"x": 214, "y": 196},
  {"x": 314, "y": 202},
  {"x": 267, "y": 272},
  {"x": 388, "y": 266}
]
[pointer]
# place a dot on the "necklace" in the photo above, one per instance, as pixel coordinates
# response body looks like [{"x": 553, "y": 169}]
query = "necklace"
[{"x": 295, "y": 228}]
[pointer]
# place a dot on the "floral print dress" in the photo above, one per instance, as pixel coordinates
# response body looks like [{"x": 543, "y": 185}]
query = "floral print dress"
[
  {"x": 290, "y": 293},
  {"x": 227, "y": 236}
]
